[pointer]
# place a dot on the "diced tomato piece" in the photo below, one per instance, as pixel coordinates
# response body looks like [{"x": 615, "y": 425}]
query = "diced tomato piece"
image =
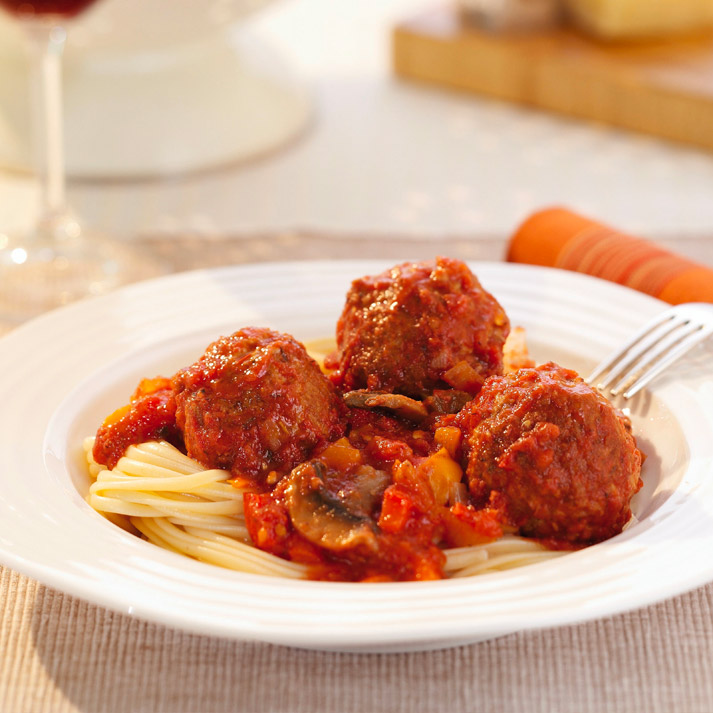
[
  {"x": 302, "y": 551},
  {"x": 267, "y": 522},
  {"x": 396, "y": 510},
  {"x": 427, "y": 570},
  {"x": 388, "y": 449},
  {"x": 150, "y": 416},
  {"x": 151, "y": 386}
]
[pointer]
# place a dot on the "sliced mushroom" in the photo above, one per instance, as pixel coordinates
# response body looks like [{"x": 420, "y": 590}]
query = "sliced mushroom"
[
  {"x": 403, "y": 406},
  {"x": 321, "y": 516},
  {"x": 366, "y": 489}
]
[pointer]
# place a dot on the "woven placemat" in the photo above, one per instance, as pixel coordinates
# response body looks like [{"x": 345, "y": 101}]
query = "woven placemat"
[{"x": 61, "y": 655}]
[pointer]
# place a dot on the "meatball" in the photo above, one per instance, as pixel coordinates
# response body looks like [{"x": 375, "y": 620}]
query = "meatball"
[
  {"x": 417, "y": 327},
  {"x": 558, "y": 454},
  {"x": 256, "y": 402}
]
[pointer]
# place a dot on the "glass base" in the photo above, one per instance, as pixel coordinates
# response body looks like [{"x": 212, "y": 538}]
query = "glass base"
[{"x": 39, "y": 273}]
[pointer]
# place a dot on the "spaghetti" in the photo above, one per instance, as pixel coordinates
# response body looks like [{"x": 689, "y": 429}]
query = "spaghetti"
[{"x": 170, "y": 500}]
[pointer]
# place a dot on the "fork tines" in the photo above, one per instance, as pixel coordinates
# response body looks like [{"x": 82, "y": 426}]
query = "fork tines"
[{"x": 657, "y": 345}]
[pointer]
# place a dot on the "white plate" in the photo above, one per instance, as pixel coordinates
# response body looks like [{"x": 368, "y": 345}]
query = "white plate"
[
  {"x": 61, "y": 374},
  {"x": 259, "y": 106}
]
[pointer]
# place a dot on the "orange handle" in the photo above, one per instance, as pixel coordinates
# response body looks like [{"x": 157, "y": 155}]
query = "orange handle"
[{"x": 557, "y": 237}]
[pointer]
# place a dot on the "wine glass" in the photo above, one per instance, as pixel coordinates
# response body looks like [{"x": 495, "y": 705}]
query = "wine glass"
[{"x": 56, "y": 261}]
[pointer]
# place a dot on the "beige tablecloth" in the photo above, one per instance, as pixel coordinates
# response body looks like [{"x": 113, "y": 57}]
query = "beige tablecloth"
[{"x": 59, "y": 654}]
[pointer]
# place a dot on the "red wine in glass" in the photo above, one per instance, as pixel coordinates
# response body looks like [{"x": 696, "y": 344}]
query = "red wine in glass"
[
  {"x": 55, "y": 261},
  {"x": 61, "y": 8}
]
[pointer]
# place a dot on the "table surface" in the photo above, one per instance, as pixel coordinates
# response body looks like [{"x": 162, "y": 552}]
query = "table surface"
[
  {"x": 387, "y": 170},
  {"x": 393, "y": 157}
]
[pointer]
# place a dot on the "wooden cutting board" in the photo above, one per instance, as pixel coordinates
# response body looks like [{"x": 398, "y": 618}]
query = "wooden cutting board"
[{"x": 663, "y": 88}]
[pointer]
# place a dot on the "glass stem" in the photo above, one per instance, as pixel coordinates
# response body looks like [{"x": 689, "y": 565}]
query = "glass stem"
[{"x": 48, "y": 40}]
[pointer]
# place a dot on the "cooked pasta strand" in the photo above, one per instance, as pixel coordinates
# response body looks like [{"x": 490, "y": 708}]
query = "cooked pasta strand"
[
  {"x": 123, "y": 478},
  {"x": 176, "y": 504},
  {"x": 222, "y": 526},
  {"x": 236, "y": 555},
  {"x": 503, "y": 562}
]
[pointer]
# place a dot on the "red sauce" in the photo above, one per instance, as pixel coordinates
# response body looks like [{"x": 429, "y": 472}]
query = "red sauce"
[
  {"x": 149, "y": 416},
  {"x": 398, "y": 526},
  {"x": 375, "y": 505},
  {"x": 361, "y": 493}
]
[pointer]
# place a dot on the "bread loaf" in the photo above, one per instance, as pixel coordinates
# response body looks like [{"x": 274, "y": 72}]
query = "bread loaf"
[{"x": 621, "y": 19}]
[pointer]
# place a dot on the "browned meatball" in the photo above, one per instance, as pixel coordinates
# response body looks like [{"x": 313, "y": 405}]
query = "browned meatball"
[
  {"x": 556, "y": 450},
  {"x": 255, "y": 402},
  {"x": 417, "y": 327}
]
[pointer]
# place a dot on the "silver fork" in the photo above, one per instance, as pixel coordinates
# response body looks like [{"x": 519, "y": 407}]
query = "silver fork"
[{"x": 657, "y": 345}]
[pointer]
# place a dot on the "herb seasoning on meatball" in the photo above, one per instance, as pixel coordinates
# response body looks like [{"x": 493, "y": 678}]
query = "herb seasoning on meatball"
[
  {"x": 419, "y": 327},
  {"x": 256, "y": 403},
  {"x": 557, "y": 453}
]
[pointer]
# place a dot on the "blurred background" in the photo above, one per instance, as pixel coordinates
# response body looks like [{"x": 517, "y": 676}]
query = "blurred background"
[{"x": 232, "y": 118}]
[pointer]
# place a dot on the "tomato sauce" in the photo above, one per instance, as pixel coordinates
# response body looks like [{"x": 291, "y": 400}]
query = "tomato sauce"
[
  {"x": 394, "y": 530},
  {"x": 149, "y": 416},
  {"x": 411, "y": 443}
]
